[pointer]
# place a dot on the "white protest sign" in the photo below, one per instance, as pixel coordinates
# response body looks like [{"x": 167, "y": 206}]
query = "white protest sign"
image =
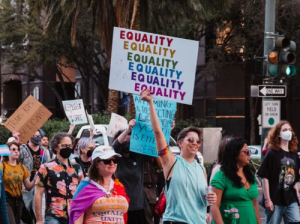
[
  {"x": 91, "y": 121},
  {"x": 74, "y": 110},
  {"x": 165, "y": 65},
  {"x": 116, "y": 124}
]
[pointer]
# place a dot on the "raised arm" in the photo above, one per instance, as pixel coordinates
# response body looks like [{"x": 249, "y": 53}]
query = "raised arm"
[
  {"x": 122, "y": 136},
  {"x": 167, "y": 157},
  {"x": 71, "y": 129}
]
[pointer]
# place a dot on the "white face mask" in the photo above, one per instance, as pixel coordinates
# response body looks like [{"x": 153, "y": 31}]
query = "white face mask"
[{"x": 287, "y": 135}]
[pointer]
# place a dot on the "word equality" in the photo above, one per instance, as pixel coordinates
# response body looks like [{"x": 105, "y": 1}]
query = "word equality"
[
  {"x": 156, "y": 61},
  {"x": 166, "y": 52},
  {"x": 150, "y": 38}
]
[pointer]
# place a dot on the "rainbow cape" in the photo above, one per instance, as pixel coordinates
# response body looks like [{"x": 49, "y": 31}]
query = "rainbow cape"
[{"x": 87, "y": 192}]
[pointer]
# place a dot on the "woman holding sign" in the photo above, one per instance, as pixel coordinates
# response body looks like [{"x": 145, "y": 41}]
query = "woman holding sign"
[{"x": 186, "y": 193}]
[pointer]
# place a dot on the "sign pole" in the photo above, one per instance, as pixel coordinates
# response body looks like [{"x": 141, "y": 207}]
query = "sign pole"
[{"x": 268, "y": 45}]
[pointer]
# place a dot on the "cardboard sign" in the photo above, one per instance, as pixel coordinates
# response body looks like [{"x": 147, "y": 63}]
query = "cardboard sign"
[
  {"x": 142, "y": 136},
  {"x": 74, "y": 110},
  {"x": 28, "y": 118},
  {"x": 91, "y": 121},
  {"x": 116, "y": 124},
  {"x": 165, "y": 65}
]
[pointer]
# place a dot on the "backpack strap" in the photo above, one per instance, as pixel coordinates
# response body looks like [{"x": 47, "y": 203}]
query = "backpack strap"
[
  {"x": 3, "y": 168},
  {"x": 169, "y": 181}
]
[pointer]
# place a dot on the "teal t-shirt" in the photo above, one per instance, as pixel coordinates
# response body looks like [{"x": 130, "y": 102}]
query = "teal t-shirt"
[{"x": 185, "y": 197}]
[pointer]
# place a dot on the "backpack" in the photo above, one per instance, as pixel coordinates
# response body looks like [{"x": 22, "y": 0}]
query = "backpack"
[{"x": 209, "y": 171}]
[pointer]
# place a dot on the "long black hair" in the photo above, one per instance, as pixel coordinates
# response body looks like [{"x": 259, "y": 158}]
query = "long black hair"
[{"x": 229, "y": 163}]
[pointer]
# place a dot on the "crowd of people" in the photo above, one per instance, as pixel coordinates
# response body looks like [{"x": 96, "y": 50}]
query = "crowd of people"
[{"x": 76, "y": 181}]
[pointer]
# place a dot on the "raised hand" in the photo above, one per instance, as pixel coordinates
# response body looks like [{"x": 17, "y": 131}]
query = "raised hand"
[
  {"x": 146, "y": 95},
  {"x": 16, "y": 135},
  {"x": 131, "y": 124}
]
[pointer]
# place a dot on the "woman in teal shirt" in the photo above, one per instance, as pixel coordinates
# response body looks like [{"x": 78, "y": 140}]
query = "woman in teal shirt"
[
  {"x": 235, "y": 187},
  {"x": 186, "y": 202}
]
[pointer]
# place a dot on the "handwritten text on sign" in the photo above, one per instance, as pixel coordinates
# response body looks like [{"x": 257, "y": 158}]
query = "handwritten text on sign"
[
  {"x": 74, "y": 110},
  {"x": 165, "y": 65},
  {"x": 28, "y": 118},
  {"x": 142, "y": 136},
  {"x": 116, "y": 124}
]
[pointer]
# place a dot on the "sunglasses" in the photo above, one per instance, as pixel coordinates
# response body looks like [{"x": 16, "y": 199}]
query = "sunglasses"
[
  {"x": 247, "y": 152},
  {"x": 15, "y": 149},
  {"x": 108, "y": 161},
  {"x": 192, "y": 140}
]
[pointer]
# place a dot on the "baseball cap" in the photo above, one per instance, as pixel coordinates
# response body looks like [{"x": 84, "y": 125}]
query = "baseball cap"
[
  {"x": 11, "y": 139},
  {"x": 104, "y": 152}
]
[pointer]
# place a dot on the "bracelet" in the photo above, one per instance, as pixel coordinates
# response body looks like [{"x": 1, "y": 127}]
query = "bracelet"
[{"x": 164, "y": 151}]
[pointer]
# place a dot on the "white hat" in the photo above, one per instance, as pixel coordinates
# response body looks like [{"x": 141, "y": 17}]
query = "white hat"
[
  {"x": 104, "y": 152},
  {"x": 11, "y": 139}
]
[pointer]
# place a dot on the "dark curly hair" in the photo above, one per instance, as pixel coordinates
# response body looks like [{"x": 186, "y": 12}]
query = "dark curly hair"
[
  {"x": 229, "y": 163},
  {"x": 55, "y": 140},
  {"x": 274, "y": 137}
]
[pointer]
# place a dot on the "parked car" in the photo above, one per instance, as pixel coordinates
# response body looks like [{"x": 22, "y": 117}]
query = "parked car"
[
  {"x": 101, "y": 138},
  {"x": 255, "y": 151}
]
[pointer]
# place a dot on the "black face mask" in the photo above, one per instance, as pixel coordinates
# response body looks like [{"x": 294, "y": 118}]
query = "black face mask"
[
  {"x": 89, "y": 153},
  {"x": 125, "y": 146},
  {"x": 65, "y": 152},
  {"x": 35, "y": 140}
]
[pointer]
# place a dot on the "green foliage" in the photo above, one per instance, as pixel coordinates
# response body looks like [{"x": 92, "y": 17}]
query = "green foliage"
[
  {"x": 51, "y": 127},
  {"x": 4, "y": 134},
  {"x": 206, "y": 165},
  {"x": 200, "y": 123}
]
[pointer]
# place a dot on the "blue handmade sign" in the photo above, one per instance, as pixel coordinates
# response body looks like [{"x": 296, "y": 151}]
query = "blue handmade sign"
[{"x": 142, "y": 136}]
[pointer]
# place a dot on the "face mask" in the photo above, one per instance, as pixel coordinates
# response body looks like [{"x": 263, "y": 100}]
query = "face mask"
[
  {"x": 35, "y": 140},
  {"x": 89, "y": 153},
  {"x": 287, "y": 135},
  {"x": 65, "y": 152}
]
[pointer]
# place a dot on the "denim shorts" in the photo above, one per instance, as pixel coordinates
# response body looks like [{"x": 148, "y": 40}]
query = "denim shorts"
[
  {"x": 51, "y": 220},
  {"x": 290, "y": 214}
]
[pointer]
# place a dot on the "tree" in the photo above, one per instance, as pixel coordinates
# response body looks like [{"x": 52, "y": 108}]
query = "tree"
[
  {"x": 25, "y": 45},
  {"x": 176, "y": 18}
]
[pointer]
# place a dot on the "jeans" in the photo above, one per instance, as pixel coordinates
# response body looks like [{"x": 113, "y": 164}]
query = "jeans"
[
  {"x": 51, "y": 220},
  {"x": 28, "y": 198},
  {"x": 289, "y": 214}
]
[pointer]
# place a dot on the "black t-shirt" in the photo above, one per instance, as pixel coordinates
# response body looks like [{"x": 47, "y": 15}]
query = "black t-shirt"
[
  {"x": 36, "y": 161},
  {"x": 281, "y": 168},
  {"x": 130, "y": 172},
  {"x": 84, "y": 166}
]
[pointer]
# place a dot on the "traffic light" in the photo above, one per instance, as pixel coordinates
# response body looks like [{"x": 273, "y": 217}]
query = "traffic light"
[
  {"x": 273, "y": 63},
  {"x": 286, "y": 56}
]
